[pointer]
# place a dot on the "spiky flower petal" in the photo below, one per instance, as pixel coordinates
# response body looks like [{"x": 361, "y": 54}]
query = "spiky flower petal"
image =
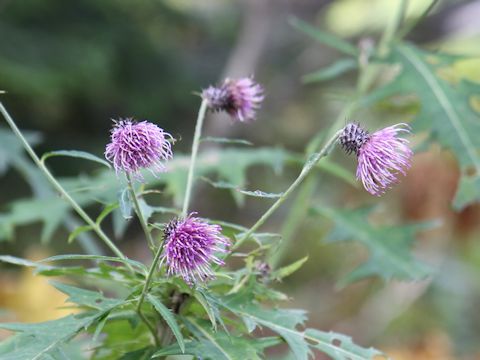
[
  {"x": 240, "y": 98},
  {"x": 138, "y": 145},
  {"x": 191, "y": 247},
  {"x": 382, "y": 156}
]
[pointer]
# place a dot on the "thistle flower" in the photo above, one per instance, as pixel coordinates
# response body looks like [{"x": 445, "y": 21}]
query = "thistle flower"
[
  {"x": 190, "y": 248},
  {"x": 240, "y": 98},
  {"x": 382, "y": 156},
  {"x": 138, "y": 145}
]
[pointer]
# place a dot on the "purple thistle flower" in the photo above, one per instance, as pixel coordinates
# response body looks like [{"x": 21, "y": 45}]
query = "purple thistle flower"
[
  {"x": 190, "y": 247},
  {"x": 240, "y": 98},
  {"x": 138, "y": 145},
  {"x": 382, "y": 156}
]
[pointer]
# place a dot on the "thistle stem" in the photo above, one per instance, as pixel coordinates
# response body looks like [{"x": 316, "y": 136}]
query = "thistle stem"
[
  {"x": 146, "y": 286},
  {"x": 193, "y": 159},
  {"x": 58, "y": 187},
  {"x": 307, "y": 168},
  {"x": 138, "y": 211}
]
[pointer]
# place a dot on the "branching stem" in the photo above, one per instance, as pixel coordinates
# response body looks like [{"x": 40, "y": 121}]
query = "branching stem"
[{"x": 311, "y": 163}]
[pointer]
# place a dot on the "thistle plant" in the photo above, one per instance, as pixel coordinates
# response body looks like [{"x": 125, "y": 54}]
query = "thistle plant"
[{"x": 210, "y": 290}]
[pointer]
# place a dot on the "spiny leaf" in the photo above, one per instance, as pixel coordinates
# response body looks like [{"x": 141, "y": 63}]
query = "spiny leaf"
[
  {"x": 169, "y": 319},
  {"x": 76, "y": 154},
  {"x": 389, "y": 246},
  {"x": 47, "y": 338},
  {"x": 285, "y": 322},
  {"x": 88, "y": 298}
]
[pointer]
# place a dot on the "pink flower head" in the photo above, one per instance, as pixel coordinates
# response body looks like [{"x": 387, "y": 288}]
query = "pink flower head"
[
  {"x": 240, "y": 98},
  {"x": 382, "y": 156},
  {"x": 190, "y": 248},
  {"x": 138, "y": 145}
]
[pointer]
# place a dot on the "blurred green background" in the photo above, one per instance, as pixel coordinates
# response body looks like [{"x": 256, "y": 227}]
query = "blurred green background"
[{"x": 69, "y": 67}]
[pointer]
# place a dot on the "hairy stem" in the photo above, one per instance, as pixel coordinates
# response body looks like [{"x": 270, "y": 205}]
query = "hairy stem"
[
  {"x": 58, "y": 187},
  {"x": 311, "y": 163},
  {"x": 138, "y": 211},
  {"x": 193, "y": 159}
]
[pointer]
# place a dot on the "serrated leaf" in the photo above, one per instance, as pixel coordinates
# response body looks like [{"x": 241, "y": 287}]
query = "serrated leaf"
[
  {"x": 289, "y": 269},
  {"x": 47, "y": 338},
  {"x": 285, "y": 322},
  {"x": 389, "y": 246},
  {"x": 219, "y": 346},
  {"x": 88, "y": 298},
  {"x": 76, "y": 154},
  {"x": 208, "y": 307},
  {"x": 445, "y": 111},
  {"x": 330, "y": 72},
  {"x": 324, "y": 37},
  {"x": 169, "y": 319}
]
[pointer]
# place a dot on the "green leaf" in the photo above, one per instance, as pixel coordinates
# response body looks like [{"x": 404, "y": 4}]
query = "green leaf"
[
  {"x": 289, "y": 269},
  {"x": 18, "y": 261},
  {"x": 227, "y": 141},
  {"x": 389, "y": 246},
  {"x": 330, "y": 72},
  {"x": 43, "y": 340},
  {"x": 87, "y": 298},
  {"x": 324, "y": 37},
  {"x": 208, "y": 307},
  {"x": 169, "y": 319},
  {"x": 79, "y": 230},
  {"x": 255, "y": 193},
  {"x": 219, "y": 346},
  {"x": 134, "y": 263},
  {"x": 106, "y": 210},
  {"x": 445, "y": 111},
  {"x": 285, "y": 322},
  {"x": 76, "y": 154}
]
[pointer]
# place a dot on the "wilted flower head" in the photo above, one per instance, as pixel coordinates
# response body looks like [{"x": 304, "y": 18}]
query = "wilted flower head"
[
  {"x": 382, "y": 156},
  {"x": 190, "y": 248},
  {"x": 137, "y": 145},
  {"x": 240, "y": 98}
]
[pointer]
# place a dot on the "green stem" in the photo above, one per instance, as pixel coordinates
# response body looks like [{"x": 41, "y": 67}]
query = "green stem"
[
  {"x": 151, "y": 244},
  {"x": 311, "y": 163},
  {"x": 139, "y": 213},
  {"x": 392, "y": 28},
  {"x": 193, "y": 159},
  {"x": 146, "y": 286},
  {"x": 95, "y": 227}
]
